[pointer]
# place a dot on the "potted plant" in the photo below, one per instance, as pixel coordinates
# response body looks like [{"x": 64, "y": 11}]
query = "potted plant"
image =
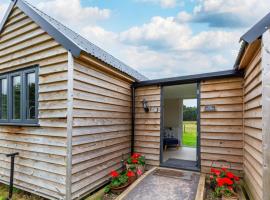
[
  {"x": 136, "y": 163},
  {"x": 131, "y": 176},
  {"x": 224, "y": 184},
  {"x": 120, "y": 181}
]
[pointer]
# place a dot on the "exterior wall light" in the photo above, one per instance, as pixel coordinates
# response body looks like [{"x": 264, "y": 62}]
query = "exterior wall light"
[{"x": 145, "y": 105}]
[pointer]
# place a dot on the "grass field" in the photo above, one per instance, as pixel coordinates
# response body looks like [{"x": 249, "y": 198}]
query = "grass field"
[{"x": 190, "y": 133}]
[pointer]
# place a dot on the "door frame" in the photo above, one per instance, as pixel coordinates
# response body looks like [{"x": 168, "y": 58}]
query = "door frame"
[{"x": 198, "y": 147}]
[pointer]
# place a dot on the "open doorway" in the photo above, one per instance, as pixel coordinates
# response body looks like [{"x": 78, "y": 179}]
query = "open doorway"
[{"x": 179, "y": 135}]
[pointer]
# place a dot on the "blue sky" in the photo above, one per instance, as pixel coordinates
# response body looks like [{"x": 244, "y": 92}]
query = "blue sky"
[
  {"x": 126, "y": 14},
  {"x": 161, "y": 38}
]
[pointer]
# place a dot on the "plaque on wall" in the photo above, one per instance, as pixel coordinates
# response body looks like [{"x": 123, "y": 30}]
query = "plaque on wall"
[{"x": 210, "y": 108}]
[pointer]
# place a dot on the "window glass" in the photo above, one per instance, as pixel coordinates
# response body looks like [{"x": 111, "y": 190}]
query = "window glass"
[
  {"x": 4, "y": 113},
  {"x": 31, "y": 93},
  {"x": 18, "y": 100},
  {"x": 16, "y": 97}
]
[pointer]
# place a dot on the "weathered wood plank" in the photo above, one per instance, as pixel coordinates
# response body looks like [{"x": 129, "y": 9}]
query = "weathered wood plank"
[
  {"x": 222, "y": 86},
  {"x": 222, "y": 129},
  {"x": 101, "y": 125},
  {"x": 41, "y": 166}
]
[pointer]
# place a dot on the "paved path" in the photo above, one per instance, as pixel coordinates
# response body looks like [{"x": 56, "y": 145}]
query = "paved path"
[{"x": 157, "y": 187}]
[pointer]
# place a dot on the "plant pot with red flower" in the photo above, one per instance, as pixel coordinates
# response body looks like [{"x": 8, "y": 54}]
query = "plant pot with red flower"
[
  {"x": 224, "y": 184},
  {"x": 136, "y": 163},
  {"x": 131, "y": 176},
  {"x": 119, "y": 182}
]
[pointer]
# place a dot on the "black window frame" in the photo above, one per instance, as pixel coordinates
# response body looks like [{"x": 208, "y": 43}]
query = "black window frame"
[{"x": 23, "y": 95}]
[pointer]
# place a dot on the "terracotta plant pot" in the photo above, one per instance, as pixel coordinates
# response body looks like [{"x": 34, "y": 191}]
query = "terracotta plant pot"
[
  {"x": 132, "y": 179},
  {"x": 137, "y": 167},
  {"x": 120, "y": 189},
  {"x": 141, "y": 167}
]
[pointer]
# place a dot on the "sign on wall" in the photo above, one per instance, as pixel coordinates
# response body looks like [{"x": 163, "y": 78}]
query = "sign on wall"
[{"x": 210, "y": 108}]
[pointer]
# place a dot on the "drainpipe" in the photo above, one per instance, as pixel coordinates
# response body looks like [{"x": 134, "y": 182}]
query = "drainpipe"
[{"x": 132, "y": 118}]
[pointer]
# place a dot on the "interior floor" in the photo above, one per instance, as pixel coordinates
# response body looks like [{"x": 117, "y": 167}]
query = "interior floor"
[{"x": 181, "y": 153}]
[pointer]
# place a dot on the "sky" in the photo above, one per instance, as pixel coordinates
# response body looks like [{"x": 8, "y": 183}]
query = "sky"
[
  {"x": 161, "y": 38},
  {"x": 190, "y": 102}
]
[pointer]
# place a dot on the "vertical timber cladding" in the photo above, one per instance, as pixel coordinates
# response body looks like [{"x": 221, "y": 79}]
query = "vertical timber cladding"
[
  {"x": 101, "y": 125},
  {"x": 221, "y": 128},
  {"x": 41, "y": 166},
  {"x": 253, "y": 147},
  {"x": 147, "y": 124}
]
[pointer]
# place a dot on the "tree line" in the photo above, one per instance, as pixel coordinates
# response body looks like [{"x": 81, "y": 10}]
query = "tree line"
[{"x": 189, "y": 113}]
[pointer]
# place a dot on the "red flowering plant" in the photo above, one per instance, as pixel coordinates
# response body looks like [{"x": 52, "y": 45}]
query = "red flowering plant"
[
  {"x": 136, "y": 158},
  {"x": 117, "y": 180},
  {"x": 223, "y": 182},
  {"x": 136, "y": 163}
]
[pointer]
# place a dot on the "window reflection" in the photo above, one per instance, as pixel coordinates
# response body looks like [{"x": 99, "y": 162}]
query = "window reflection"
[
  {"x": 16, "y": 97},
  {"x": 4, "y": 113},
  {"x": 31, "y": 91}
]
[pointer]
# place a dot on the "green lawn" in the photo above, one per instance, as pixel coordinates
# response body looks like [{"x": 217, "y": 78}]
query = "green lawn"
[{"x": 189, "y": 133}]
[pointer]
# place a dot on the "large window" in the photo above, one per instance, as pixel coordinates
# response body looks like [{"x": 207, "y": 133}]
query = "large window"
[{"x": 18, "y": 97}]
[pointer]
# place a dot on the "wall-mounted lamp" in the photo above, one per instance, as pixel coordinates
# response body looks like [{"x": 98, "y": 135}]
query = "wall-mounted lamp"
[{"x": 145, "y": 105}]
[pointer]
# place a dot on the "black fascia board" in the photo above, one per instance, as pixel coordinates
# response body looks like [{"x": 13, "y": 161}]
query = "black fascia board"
[
  {"x": 51, "y": 30},
  {"x": 190, "y": 78},
  {"x": 257, "y": 30},
  {"x": 254, "y": 33}
]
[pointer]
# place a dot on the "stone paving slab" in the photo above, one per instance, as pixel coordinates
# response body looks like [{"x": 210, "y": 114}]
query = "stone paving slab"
[{"x": 156, "y": 187}]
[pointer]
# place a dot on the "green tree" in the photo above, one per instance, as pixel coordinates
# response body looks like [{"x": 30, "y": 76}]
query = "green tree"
[{"x": 189, "y": 113}]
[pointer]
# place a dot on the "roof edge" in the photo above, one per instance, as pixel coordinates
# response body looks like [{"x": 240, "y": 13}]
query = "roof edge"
[
  {"x": 257, "y": 30},
  {"x": 240, "y": 55},
  {"x": 190, "y": 78}
]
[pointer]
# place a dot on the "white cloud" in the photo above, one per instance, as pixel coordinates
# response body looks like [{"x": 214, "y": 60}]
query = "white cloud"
[
  {"x": 230, "y": 13},
  {"x": 71, "y": 11},
  {"x": 168, "y": 35},
  {"x": 3, "y": 8},
  {"x": 183, "y": 17},
  {"x": 164, "y": 3},
  {"x": 159, "y": 33},
  {"x": 168, "y": 3}
]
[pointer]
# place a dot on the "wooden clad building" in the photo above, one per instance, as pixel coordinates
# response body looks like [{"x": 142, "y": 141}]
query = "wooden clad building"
[{"x": 74, "y": 112}]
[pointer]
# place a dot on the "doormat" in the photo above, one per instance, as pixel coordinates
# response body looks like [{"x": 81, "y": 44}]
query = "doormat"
[
  {"x": 181, "y": 164},
  {"x": 173, "y": 174}
]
